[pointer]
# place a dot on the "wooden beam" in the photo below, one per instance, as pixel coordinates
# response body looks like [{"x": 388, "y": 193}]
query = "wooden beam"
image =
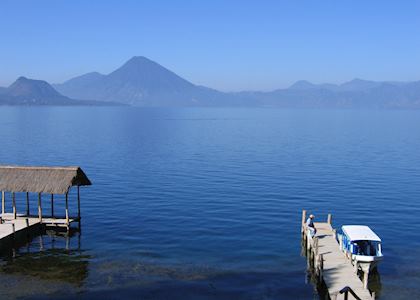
[
  {"x": 52, "y": 205},
  {"x": 78, "y": 201},
  {"x": 27, "y": 203},
  {"x": 3, "y": 202},
  {"x": 14, "y": 205},
  {"x": 39, "y": 207}
]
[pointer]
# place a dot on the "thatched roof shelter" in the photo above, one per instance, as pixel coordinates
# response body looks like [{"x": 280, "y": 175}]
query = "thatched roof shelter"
[{"x": 51, "y": 180}]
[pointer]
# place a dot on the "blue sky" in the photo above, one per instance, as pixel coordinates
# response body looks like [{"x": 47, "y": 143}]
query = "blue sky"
[{"x": 228, "y": 45}]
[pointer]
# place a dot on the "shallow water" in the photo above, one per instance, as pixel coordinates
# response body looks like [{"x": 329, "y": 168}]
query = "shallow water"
[{"x": 206, "y": 203}]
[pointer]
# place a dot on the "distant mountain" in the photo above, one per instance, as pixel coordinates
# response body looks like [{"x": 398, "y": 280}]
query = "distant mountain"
[
  {"x": 303, "y": 85},
  {"x": 353, "y": 94},
  {"x": 142, "y": 82},
  {"x": 359, "y": 85},
  {"x": 26, "y": 91}
]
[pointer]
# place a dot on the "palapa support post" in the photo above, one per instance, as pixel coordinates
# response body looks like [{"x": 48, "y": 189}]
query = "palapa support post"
[
  {"x": 329, "y": 219},
  {"x": 39, "y": 208},
  {"x": 27, "y": 203},
  {"x": 78, "y": 202},
  {"x": 3, "y": 203},
  {"x": 14, "y": 205},
  {"x": 67, "y": 210},
  {"x": 52, "y": 205}
]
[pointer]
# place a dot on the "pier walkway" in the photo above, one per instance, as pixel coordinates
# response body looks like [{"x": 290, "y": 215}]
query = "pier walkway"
[
  {"x": 23, "y": 225},
  {"x": 11, "y": 227},
  {"x": 332, "y": 265}
]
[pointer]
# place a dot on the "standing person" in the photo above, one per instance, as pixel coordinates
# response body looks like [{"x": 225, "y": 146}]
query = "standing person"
[{"x": 311, "y": 226}]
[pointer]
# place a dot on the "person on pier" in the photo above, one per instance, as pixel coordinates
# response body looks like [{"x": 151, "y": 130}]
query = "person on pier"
[{"x": 311, "y": 226}]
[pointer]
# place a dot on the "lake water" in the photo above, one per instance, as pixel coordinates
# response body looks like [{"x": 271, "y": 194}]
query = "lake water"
[{"x": 206, "y": 203}]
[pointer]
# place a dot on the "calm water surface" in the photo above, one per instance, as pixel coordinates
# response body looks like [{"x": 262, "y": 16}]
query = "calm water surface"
[{"x": 206, "y": 203}]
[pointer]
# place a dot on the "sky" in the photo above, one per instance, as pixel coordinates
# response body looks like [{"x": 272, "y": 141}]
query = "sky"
[{"x": 228, "y": 45}]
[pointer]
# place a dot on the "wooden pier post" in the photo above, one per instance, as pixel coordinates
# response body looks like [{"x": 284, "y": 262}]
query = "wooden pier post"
[
  {"x": 14, "y": 205},
  {"x": 303, "y": 221},
  {"x": 27, "y": 203},
  {"x": 329, "y": 219},
  {"x": 366, "y": 279},
  {"x": 39, "y": 208},
  {"x": 308, "y": 242},
  {"x": 52, "y": 205},
  {"x": 321, "y": 265},
  {"x": 3, "y": 202}
]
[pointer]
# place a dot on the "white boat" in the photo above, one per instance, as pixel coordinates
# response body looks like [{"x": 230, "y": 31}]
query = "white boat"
[{"x": 362, "y": 245}]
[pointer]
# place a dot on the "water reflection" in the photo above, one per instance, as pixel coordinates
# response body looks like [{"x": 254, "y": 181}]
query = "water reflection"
[{"x": 50, "y": 256}]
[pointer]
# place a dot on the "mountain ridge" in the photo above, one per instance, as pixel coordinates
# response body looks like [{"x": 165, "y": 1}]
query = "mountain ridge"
[
  {"x": 143, "y": 82},
  {"x": 25, "y": 91}
]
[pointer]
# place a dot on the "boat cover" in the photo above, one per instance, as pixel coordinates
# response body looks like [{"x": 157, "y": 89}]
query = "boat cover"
[{"x": 360, "y": 233}]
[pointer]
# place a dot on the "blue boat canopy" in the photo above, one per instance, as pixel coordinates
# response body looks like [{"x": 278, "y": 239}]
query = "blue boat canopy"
[{"x": 360, "y": 233}]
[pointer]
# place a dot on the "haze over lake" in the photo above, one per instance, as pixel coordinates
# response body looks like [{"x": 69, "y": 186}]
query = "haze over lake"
[{"x": 193, "y": 203}]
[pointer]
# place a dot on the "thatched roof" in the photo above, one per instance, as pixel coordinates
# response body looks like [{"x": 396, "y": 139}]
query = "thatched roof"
[{"x": 51, "y": 180}]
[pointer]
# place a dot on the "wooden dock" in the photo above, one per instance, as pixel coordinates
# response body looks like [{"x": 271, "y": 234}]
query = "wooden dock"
[
  {"x": 16, "y": 229},
  {"x": 331, "y": 265},
  {"x": 30, "y": 183},
  {"x": 12, "y": 229}
]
